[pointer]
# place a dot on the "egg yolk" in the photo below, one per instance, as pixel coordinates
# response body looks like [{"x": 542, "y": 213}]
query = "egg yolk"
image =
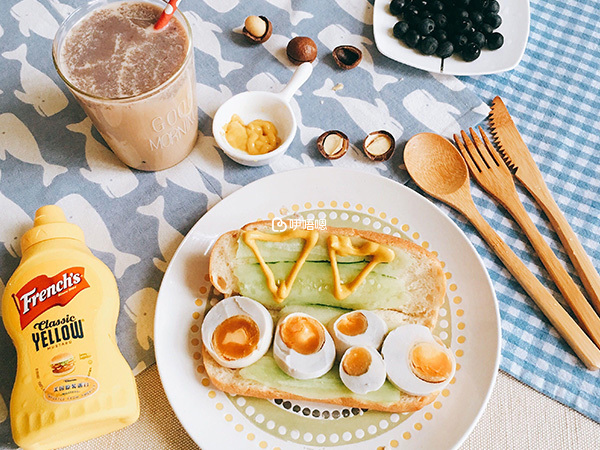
[
  {"x": 357, "y": 361},
  {"x": 303, "y": 334},
  {"x": 430, "y": 362},
  {"x": 352, "y": 324},
  {"x": 236, "y": 337}
]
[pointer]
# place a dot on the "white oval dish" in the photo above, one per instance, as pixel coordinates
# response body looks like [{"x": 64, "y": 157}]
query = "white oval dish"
[{"x": 515, "y": 28}]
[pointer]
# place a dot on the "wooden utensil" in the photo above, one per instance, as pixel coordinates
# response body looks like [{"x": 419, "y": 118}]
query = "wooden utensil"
[
  {"x": 519, "y": 159},
  {"x": 439, "y": 169},
  {"x": 493, "y": 176}
]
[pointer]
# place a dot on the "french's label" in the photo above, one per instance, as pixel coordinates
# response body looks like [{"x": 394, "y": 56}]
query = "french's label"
[{"x": 43, "y": 292}]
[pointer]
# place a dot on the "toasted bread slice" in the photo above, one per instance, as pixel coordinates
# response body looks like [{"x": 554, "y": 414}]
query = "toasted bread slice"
[
  {"x": 421, "y": 274},
  {"x": 415, "y": 269},
  {"x": 230, "y": 381}
]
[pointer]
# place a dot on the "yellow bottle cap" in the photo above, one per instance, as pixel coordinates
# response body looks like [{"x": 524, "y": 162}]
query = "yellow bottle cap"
[{"x": 50, "y": 223}]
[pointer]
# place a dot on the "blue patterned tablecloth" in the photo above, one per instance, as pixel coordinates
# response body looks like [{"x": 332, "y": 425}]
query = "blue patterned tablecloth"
[
  {"x": 134, "y": 221},
  {"x": 50, "y": 153}
]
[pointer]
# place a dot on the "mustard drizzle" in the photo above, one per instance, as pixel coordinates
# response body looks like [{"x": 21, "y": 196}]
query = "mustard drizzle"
[
  {"x": 337, "y": 245},
  {"x": 342, "y": 246},
  {"x": 283, "y": 290}
]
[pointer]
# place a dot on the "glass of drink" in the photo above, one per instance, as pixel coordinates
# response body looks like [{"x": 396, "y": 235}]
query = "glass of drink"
[{"x": 137, "y": 85}]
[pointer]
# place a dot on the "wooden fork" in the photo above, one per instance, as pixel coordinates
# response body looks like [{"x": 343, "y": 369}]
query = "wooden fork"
[{"x": 492, "y": 174}]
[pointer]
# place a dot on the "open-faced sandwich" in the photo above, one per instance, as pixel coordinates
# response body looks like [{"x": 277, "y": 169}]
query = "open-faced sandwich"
[{"x": 335, "y": 315}]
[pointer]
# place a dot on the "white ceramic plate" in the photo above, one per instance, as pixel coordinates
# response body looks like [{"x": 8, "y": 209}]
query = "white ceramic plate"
[
  {"x": 515, "y": 28},
  {"x": 469, "y": 321}
]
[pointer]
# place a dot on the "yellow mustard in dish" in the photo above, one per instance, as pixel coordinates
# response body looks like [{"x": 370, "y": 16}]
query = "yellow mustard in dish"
[{"x": 256, "y": 138}]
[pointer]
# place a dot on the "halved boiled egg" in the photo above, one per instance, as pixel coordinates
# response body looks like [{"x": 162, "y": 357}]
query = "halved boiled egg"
[
  {"x": 302, "y": 347},
  {"x": 360, "y": 327},
  {"x": 362, "y": 369},
  {"x": 416, "y": 361},
  {"x": 237, "y": 331}
]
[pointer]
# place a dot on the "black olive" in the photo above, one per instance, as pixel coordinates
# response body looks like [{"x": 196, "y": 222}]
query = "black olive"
[
  {"x": 478, "y": 38},
  {"x": 397, "y": 6},
  {"x": 459, "y": 40},
  {"x": 495, "y": 41},
  {"x": 463, "y": 25},
  {"x": 428, "y": 45},
  {"x": 412, "y": 38},
  {"x": 436, "y": 6},
  {"x": 440, "y": 20},
  {"x": 410, "y": 9},
  {"x": 425, "y": 27},
  {"x": 461, "y": 14},
  {"x": 400, "y": 29},
  {"x": 486, "y": 29},
  {"x": 476, "y": 17},
  {"x": 470, "y": 52},
  {"x": 445, "y": 27},
  {"x": 493, "y": 19},
  {"x": 440, "y": 35},
  {"x": 411, "y": 16},
  {"x": 445, "y": 49},
  {"x": 494, "y": 6}
]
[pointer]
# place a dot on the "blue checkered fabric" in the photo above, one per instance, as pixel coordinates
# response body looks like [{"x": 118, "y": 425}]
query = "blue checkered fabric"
[{"x": 554, "y": 98}]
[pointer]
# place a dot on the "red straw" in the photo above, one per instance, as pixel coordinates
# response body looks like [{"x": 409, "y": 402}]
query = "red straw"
[{"x": 166, "y": 15}]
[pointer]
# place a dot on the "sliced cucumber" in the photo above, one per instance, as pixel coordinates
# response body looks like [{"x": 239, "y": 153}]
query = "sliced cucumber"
[
  {"x": 324, "y": 314},
  {"x": 287, "y": 251},
  {"x": 314, "y": 285},
  {"x": 266, "y": 372}
]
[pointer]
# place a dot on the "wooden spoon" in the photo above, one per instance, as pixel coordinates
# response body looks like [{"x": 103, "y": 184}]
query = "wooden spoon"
[{"x": 438, "y": 168}]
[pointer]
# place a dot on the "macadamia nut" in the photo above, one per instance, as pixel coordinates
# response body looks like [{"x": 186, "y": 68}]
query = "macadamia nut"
[{"x": 255, "y": 26}]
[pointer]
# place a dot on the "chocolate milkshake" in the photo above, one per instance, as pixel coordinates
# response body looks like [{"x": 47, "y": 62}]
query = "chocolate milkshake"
[{"x": 135, "y": 83}]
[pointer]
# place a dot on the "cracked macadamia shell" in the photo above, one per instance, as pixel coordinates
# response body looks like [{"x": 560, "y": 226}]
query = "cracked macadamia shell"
[
  {"x": 332, "y": 144},
  {"x": 347, "y": 56},
  {"x": 254, "y": 26},
  {"x": 379, "y": 145}
]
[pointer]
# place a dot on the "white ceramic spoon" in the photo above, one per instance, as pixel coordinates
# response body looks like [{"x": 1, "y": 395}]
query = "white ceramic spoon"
[{"x": 265, "y": 106}]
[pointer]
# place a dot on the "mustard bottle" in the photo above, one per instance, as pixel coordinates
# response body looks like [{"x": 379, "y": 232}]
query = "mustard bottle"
[{"x": 60, "y": 308}]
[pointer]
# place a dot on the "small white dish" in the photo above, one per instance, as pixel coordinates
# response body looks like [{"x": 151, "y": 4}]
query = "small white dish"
[
  {"x": 264, "y": 106},
  {"x": 514, "y": 28}
]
